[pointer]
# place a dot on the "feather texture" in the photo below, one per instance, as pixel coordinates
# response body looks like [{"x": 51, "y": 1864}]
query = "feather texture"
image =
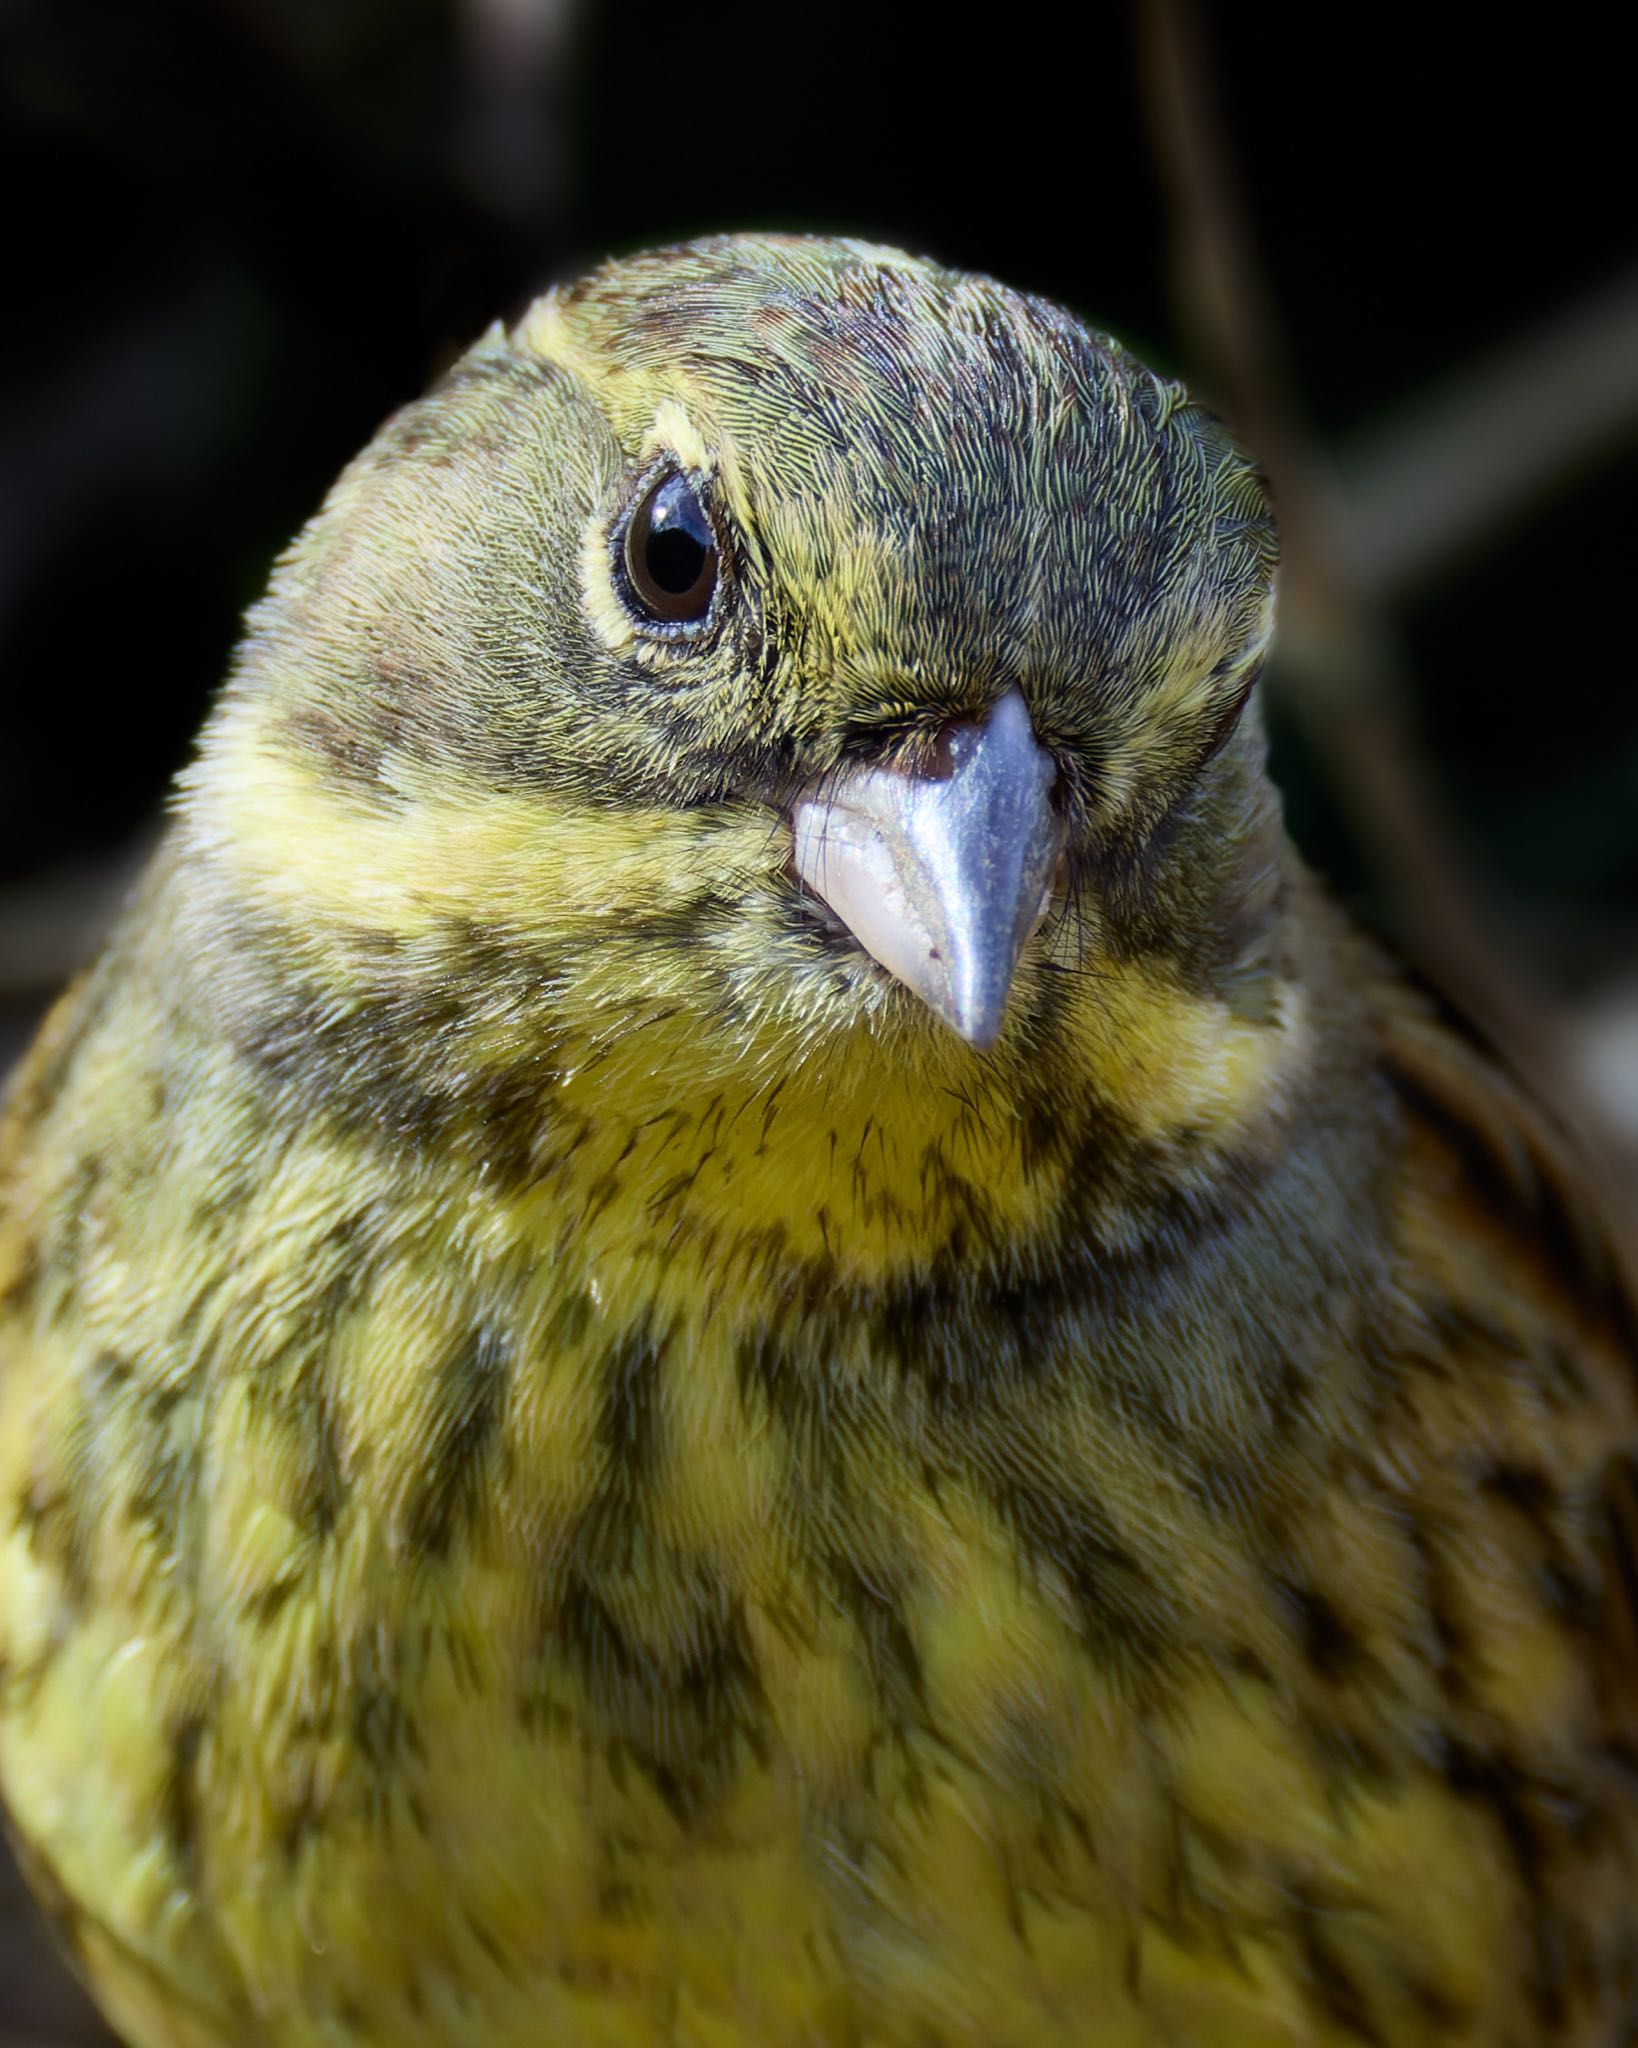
[{"x": 578, "y": 1469}]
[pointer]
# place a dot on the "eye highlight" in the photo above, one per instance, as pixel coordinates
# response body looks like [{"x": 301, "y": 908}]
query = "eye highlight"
[{"x": 671, "y": 556}]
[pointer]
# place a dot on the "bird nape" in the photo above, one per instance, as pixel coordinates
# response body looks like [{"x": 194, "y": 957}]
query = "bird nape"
[{"x": 731, "y": 1317}]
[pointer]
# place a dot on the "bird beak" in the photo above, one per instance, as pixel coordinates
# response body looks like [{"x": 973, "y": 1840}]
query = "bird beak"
[{"x": 943, "y": 876}]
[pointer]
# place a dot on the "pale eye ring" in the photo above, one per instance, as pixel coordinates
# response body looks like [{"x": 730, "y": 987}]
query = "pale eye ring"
[{"x": 672, "y": 558}]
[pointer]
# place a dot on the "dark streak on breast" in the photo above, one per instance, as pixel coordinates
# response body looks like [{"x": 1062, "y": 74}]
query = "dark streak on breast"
[{"x": 470, "y": 1390}]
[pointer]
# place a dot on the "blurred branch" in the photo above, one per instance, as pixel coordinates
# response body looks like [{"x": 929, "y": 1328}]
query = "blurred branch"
[
  {"x": 1428, "y": 486},
  {"x": 1606, "y": 1037},
  {"x": 511, "y": 128},
  {"x": 1334, "y": 661}
]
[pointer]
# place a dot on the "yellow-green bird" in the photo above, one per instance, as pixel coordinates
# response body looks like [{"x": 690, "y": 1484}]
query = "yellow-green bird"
[{"x": 732, "y": 1320}]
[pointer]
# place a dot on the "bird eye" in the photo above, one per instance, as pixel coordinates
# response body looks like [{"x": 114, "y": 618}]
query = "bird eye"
[{"x": 671, "y": 552}]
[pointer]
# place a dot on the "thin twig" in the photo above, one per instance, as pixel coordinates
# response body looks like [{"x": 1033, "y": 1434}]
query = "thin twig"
[
  {"x": 1429, "y": 485},
  {"x": 511, "y": 143},
  {"x": 1342, "y": 680}
]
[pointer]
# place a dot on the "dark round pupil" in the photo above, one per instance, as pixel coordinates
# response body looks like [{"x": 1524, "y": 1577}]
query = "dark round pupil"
[
  {"x": 671, "y": 553},
  {"x": 679, "y": 542}
]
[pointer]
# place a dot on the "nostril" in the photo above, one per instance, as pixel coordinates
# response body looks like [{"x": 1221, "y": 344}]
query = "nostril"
[
  {"x": 930, "y": 740},
  {"x": 954, "y": 741},
  {"x": 950, "y": 747}
]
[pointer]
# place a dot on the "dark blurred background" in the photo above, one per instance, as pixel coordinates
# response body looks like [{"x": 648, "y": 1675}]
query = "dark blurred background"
[{"x": 1399, "y": 256}]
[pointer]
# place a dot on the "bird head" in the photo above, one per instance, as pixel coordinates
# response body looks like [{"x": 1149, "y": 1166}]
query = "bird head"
[{"x": 783, "y": 638}]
